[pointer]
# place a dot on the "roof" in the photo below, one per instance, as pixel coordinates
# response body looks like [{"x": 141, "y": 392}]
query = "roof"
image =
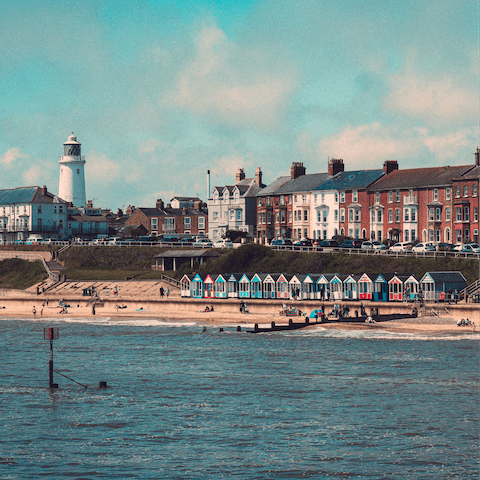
[
  {"x": 87, "y": 218},
  {"x": 445, "y": 277},
  {"x": 186, "y": 199},
  {"x": 27, "y": 195},
  {"x": 303, "y": 183},
  {"x": 357, "y": 179},
  {"x": 277, "y": 183},
  {"x": 187, "y": 254},
  {"x": 472, "y": 174},
  {"x": 419, "y": 178},
  {"x": 151, "y": 212}
]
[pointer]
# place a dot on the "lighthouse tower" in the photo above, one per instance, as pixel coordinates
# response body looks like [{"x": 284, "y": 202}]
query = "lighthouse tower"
[{"x": 71, "y": 187}]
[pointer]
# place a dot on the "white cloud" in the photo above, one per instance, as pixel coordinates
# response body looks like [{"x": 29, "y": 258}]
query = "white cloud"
[
  {"x": 447, "y": 146},
  {"x": 12, "y": 155},
  {"x": 149, "y": 146},
  {"x": 236, "y": 86},
  {"x": 439, "y": 101},
  {"x": 101, "y": 170}
]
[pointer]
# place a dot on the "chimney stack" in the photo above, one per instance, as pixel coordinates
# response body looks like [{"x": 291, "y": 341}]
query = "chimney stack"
[
  {"x": 159, "y": 204},
  {"x": 477, "y": 154},
  {"x": 389, "y": 166},
  {"x": 89, "y": 203},
  {"x": 335, "y": 165},
  {"x": 44, "y": 188},
  {"x": 258, "y": 176},
  {"x": 297, "y": 170},
  {"x": 240, "y": 175}
]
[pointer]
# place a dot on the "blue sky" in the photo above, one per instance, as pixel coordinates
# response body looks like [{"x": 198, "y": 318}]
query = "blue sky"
[{"x": 159, "y": 91}]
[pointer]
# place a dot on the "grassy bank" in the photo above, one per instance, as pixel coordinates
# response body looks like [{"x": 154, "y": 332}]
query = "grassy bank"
[
  {"x": 115, "y": 263},
  {"x": 20, "y": 274}
]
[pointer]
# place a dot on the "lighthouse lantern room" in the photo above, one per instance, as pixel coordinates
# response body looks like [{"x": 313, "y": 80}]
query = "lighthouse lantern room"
[{"x": 72, "y": 176}]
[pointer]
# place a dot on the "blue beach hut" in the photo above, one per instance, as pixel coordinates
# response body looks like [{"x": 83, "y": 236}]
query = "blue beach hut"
[
  {"x": 436, "y": 285},
  {"x": 380, "y": 287},
  {"x": 323, "y": 286},
  {"x": 336, "y": 286},
  {"x": 196, "y": 287},
  {"x": 310, "y": 283},
  {"x": 350, "y": 287},
  {"x": 244, "y": 286},
  {"x": 256, "y": 285}
]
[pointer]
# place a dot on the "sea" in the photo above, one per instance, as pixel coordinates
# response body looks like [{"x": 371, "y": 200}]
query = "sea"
[{"x": 187, "y": 401}]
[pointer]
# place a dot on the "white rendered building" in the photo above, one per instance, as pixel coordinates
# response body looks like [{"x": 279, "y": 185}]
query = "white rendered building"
[{"x": 71, "y": 187}]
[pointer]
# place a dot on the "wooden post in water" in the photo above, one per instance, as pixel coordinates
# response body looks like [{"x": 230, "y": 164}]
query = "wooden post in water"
[{"x": 51, "y": 333}]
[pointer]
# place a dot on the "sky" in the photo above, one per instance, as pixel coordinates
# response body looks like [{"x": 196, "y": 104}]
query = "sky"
[{"x": 160, "y": 91}]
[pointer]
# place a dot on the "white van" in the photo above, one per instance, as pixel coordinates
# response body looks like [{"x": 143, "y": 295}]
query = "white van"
[{"x": 34, "y": 239}]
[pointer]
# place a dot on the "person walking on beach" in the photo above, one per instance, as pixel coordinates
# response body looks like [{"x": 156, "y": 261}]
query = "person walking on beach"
[
  {"x": 34, "y": 311},
  {"x": 167, "y": 292},
  {"x": 162, "y": 292}
]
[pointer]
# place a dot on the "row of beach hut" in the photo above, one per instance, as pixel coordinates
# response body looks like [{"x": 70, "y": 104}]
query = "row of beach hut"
[{"x": 433, "y": 286}]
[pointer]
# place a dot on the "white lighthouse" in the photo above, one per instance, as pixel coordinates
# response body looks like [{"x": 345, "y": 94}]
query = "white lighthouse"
[{"x": 71, "y": 187}]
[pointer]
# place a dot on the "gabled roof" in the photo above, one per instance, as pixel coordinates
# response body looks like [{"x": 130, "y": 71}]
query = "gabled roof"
[
  {"x": 419, "y": 178},
  {"x": 471, "y": 174},
  {"x": 186, "y": 199},
  {"x": 303, "y": 183},
  {"x": 87, "y": 218},
  {"x": 356, "y": 180},
  {"x": 445, "y": 277},
  {"x": 270, "y": 189},
  {"x": 27, "y": 195},
  {"x": 151, "y": 212}
]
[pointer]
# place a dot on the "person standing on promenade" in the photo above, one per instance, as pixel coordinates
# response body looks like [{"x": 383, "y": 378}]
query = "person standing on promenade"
[{"x": 34, "y": 311}]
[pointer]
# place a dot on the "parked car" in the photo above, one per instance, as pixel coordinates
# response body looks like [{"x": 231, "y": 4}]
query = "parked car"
[
  {"x": 281, "y": 241},
  {"x": 373, "y": 245},
  {"x": 444, "y": 247},
  {"x": 317, "y": 245},
  {"x": 303, "y": 243},
  {"x": 351, "y": 244},
  {"x": 423, "y": 247},
  {"x": 401, "y": 247},
  {"x": 203, "y": 243},
  {"x": 223, "y": 243},
  {"x": 471, "y": 248},
  {"x": 329, "y": 243}
]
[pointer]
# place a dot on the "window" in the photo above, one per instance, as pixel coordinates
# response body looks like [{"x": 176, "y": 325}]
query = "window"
[
  {"x": 406, "y": 215},
  {"x": 357, "y": 215},
  {"x": 475, "y": 214},
  {"x": 39, "y": 209},
  {"x": 289, "y": 216},
  {"x": 465, "y": 191},
  {"x": 259, "y": 218},
  {"x": 296, "y": 199},
  {"x": 390, "y": 197},
  {"x": 466, "y": 214},
  {"x": 170, "y": 223},
  {"x": 277, "y": 217},
  {"x": 379, "y": 216},
  {"x": 355, "y": 196},
  {"x": 215, "y": 216},
  {"x": 457, "y": 191},
  {"x": 377, "y": 197},
  {"x": 397, "y": 196},
  {"x": 430, "y": 235},
  {"x": 268, "y": 201},
  {"x": 458, "y": 214},
  {"x": 405, "y": 235},
  {"x": 154, "y": 224},
  {"x": 336, "y": 215},
  {"x": 283, "y": 216},
  {"x": 259, "y": 203},
  {"x": 324, "y": 216},
  {"x": 437, "y": 235},
  {"x": 447, "y": 235},
  {"x": 282, "y": 200},
  {"x": 319, "y": 216},
  {"x": 379, "y": 235},
  {"x": 232, "y": 214},
  {"x": 269, "y": 217},
  {"x": 236, "y": 196},
  {"x": 413, "y": 235},
  {"x": 350, "y": 232},
  {"x": 342, "y": 197},
  {"x": 350, "y": 215},
  {"x": 435, "y": 194},
  {"x": 304, "y": 199},
  {"x": 447, "y": 214},
  {"x": 201, "y": 223},
  {"x": 305, "y": 215},
  {"x": 413, "y": 214},
  {"x": 342, "y": 214},
  {"x": 430, "y": 215},
  {"x": 336, "y": 197},
  {"x": 305, "y": 233},
  {"x": 390, "y": 215},
  {"x": 438, "y": 215},
  {"x": 324, "y": 234},
  {"x": 323, "y": 198},
  {"x": 187, "y": 222},
  {"x": 397, "y": 215},
  {"x": 263, "y": 217},
  {"x": 474, "y": 190},
  {"x": 54, "y": 209},
  {"x": 447, "y": 194}
]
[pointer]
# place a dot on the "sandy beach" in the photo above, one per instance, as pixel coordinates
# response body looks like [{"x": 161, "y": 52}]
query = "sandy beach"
[{"x": 170, "y": 311}]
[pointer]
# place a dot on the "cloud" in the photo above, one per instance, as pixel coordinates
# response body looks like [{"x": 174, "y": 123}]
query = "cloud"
[
  {"x": 12, "y": 155},
  {"x": 149, "y": 146},
  {"x": 101, "y": 170},
  {"x": 235, "y": 86},
  {"x": 448, "y": 145},
  {"x": 439, "y": 101},
  {"x": 40, "y": 172}
]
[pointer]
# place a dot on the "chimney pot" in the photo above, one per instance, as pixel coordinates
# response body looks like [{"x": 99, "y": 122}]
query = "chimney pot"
[
  {"x": 335, "y": 165},
  {"x": 389, "y": 166}
]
